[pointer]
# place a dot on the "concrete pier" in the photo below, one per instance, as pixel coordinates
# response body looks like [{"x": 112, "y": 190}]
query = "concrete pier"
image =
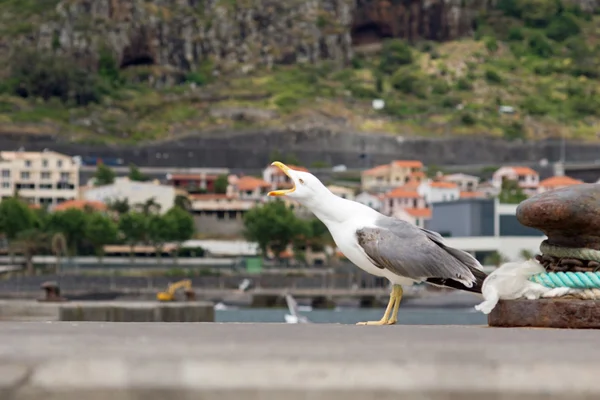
[
  {"x": 107, "y": 311},
  {"x": 211, "y": 361}
]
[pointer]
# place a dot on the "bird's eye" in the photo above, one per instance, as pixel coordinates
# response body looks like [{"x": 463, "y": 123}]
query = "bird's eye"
[{"x": 301, "y": 181}]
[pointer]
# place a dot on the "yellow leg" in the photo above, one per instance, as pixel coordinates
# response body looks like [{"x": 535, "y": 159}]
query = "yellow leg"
[
  {"x": 397, "y": 292},
  {"x": 392, "y": 308}
]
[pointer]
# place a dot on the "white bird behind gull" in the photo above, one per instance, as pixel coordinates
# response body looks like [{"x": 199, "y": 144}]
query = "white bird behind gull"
[{"x": 384, "y": 246}]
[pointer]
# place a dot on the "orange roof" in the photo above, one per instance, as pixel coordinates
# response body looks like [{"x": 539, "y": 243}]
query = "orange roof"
[
  {"x": 418, "y": 174},
  {"x": 34, "y": 206},
  {"x": 523, "y": 171},
  {"x": 471, "y": 195},
  {"x": 278, "y": 171},
  {"x": 403, "y": 192},
  {"x": 81, "y": 204},
  {"x": 209, "y": 196},
  {"x": 192, "y": 177},
  {"x": 556, "y": 181},
  {"x": 251, "y": 183},
  {"x": 443, "y": 185},
  {"x": 407, "y": 163},
  {"x": 419, "y": 212},
  {"x": 380, "y": 169}
]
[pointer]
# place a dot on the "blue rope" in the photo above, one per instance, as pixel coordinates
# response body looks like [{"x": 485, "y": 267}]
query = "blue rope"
[{"x": 575, "y": 280}]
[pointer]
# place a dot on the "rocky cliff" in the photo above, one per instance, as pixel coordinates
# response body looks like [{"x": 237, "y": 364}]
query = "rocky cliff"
[{"x": 239, "y": 35}]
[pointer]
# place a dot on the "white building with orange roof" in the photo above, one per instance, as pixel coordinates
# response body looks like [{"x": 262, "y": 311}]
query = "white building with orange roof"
[
  {"x": 248, "y": 188},
  {"x": 415, "y": 216},
  {"x": 466, "y": 183},
  {"x": 373, "y": 200},
  {"x": 402, "y": 198},
  {"x": 396, "y": 173},
  {"x": 527, "y": 178},
  {"x": 277, "y": 178},
  {"x": 557, "y": 182},
  {"x": 438, "y": 191}
]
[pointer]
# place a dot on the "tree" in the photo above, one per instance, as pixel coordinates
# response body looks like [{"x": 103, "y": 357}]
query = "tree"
[
  {"x": 182, "y": 224},
  {"x": 120, "y": 206},
  {"x": 58, "y": 246},
  {"x": 221, "y": 184},
  {"x": 526, "y": 254},
  {"x": 148, "y": 207},
  {"x": 394, "y": 54},
  {"x": 135, "y": 174},
  {"x": 15, "y": 217},
  {"x": 29, "y": 242},
  {"x": 511, "y": 193},
  {"x": 496, "y": 259},
  {"x": 160, "y": 230},
  {"x": 183, "y": 202},
  {"x": 104, "y": 175},
  {"x": 72, "y": 224},
  {"x": 133, "y": 227},
  {"x": 274, "y": 226},
  {"x": 99, "y": 231}
]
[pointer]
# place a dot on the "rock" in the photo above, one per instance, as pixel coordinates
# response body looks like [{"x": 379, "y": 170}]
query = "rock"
[{"x": 570, "y": 216}]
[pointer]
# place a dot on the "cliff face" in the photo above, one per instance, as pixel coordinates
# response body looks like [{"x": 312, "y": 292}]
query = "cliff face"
[{"x": 178, "y": 35}]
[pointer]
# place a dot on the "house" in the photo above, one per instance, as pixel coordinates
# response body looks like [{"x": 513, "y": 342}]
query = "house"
[
  {"x": 557, "y": 182},
  {"x": 219, "y": 214},
  {"x": 527, "y": 178},
  {"x": 438, "y": 191},
  {"x": 466, "y": 183},
  {"x": 402, "y": 197},
  {"x": 341, "y": 191},
  {"x": 248, "y": 188},
  {"x": 487, "y": 189},
  {"x": 80, "y": 205},
  {"x": 43, "y": 178},
  {"x": 473, "y": 195},
  {"x": 134, "y": 192},
  {"x": 277, "y": 178},
  {"x": 193, "y": 182},
  {"x": 372, "y": 200},
  {"x": 396, "y": 173},
  {"x": 415, "y": 216}
]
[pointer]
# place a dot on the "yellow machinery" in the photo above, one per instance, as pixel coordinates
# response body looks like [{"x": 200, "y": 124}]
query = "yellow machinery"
[{"x": 169, "y": 295}]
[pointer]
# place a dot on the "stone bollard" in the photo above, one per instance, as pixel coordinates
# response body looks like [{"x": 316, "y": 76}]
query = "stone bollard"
[
  {"x": 570, "y": 218},
  {"x": 52, "y": 292}
]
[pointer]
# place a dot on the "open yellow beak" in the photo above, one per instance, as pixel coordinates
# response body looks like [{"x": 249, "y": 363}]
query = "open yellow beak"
[{"x": 286, "y": 170}]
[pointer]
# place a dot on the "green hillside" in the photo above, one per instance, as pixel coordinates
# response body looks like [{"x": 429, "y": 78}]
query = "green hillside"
[{"x": 537, "y": 56}]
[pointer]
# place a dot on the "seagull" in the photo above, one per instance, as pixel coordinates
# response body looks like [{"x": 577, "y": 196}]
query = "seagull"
[{"x": 384, "y": 246}]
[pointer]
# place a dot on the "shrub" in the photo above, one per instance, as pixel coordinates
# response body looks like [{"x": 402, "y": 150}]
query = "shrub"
[
  {"x": 467, "y": 119},
  {"x": 440, "y": 87},
  {"x": 515, "y": 34},
  {"x": 409, "y": 83},
  {"x": 539, "y": 45},
  {"x": 450, "y": 102},
  {"x": 563, "y": 27},
  {"x": 464, "y": 85},
  {"x": 514, "y": 131},
  {"x": 492, "y": 76},
  {"x": 395, "y": 53},
  {"x": 535, "y": 106},
  {"x": 491, "y": 44}
]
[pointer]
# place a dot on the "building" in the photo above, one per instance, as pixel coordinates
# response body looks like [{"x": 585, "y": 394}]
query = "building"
[
  {"x": 373, "y": 200},
  {"x": 394, "y": 174},
  {"x": 527, "y": 178},
  {"x": 134, "y": 192},
  {"x": 465, "y": 183},
  {"x": 557, "y": 182},
  {"x": 43, "y": 178},
  {"x": 341, "y": 191},
  {"x": 415, "y": 216},
  {"x": 438, "y": 191},
  {"x": 400, "y": 198},
  {"x": 219, "y": 214},
  {"x": 248, "y": 188},
  {"x": 277, "y": 178},
  {"x": 484, "y": 226},
  {"x": 193, "y": 182}
]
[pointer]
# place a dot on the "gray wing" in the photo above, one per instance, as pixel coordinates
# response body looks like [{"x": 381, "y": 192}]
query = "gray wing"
[{"x": 414, "y": 252}]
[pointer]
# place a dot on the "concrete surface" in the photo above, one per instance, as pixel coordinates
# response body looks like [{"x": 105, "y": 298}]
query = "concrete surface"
[
  {"x": 105, "y": 311},
  {"x": 73, "y": 361}
]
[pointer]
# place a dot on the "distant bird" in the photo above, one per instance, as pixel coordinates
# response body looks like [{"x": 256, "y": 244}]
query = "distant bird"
[{"x": 384, "y": 246}]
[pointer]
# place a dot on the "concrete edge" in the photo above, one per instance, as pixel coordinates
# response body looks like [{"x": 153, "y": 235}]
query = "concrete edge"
[{"x": 110, "y": 374}]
